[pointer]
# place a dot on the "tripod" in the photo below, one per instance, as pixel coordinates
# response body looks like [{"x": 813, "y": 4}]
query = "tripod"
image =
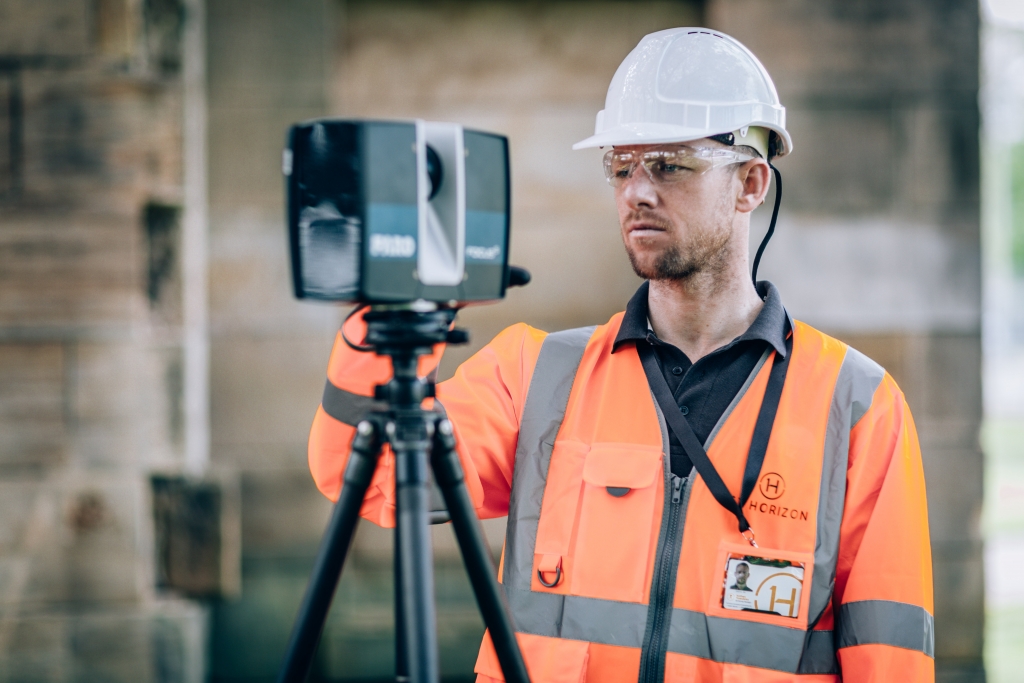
[{"x": 418, "y": 439}]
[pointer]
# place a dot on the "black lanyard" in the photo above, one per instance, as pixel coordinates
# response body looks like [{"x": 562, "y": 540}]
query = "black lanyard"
[{"x": 692, "y": 445}]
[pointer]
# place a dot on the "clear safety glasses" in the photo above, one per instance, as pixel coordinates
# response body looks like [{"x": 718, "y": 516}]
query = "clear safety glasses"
[{"x": 669, "y": 164}]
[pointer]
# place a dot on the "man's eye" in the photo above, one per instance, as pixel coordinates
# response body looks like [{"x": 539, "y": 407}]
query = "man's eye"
[
  {"x": 622, "y": 172},
  {"x": 666, "y": 167}
]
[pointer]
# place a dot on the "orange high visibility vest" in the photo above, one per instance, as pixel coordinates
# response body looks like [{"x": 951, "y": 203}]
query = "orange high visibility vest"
[{"x": 614, "y": 568}]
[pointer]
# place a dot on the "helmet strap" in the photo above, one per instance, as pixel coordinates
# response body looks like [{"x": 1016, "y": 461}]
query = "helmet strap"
[{"x": 771, "y": 226}]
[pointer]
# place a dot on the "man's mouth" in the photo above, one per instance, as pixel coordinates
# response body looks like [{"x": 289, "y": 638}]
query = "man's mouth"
[
  {"x": 645, "y": 224},
  {"x": 644, "y": 229}
]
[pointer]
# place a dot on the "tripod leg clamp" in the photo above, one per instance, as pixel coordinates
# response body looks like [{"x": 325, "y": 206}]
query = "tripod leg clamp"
[
  {"x": 362, "y": 461},
  {"x": 447, "y": 468}
]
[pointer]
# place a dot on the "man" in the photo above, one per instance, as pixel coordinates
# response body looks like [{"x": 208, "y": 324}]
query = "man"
[
  {"x": 636, "y": 458},
  {"x": 742, "y": 574}
]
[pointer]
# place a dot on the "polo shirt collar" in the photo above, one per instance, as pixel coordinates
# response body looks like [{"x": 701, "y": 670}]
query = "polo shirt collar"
[{"x": 771, "y": 324}]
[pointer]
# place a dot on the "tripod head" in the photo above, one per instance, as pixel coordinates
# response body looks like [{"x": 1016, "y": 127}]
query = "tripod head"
[{"x": 404, "y": 333}]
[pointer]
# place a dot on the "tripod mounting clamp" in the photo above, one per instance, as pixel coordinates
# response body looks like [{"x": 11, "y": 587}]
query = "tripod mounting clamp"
[
  {"x": 394, "y": 329},
  {"x": 405, "y": 333}
]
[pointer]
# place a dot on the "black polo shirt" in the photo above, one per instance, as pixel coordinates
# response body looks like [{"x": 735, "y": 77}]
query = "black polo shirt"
[{"x": 704, "y": 389}]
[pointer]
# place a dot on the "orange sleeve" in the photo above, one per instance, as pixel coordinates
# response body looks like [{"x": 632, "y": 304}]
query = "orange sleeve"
[
  {"x": 883, "y": 663},
  {"x": 483, "y": 400},
  {"x": 883, "y": 591}
]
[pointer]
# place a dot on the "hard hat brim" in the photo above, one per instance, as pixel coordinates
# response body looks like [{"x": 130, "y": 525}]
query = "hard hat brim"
[
  {"x": 642, "y": 134},
  {"x": 660, "y": 133}
]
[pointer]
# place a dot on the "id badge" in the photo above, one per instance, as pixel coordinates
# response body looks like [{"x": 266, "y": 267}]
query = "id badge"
[
  {"x": 755, "y": 583},
  {"x": 763, "y": 584}
]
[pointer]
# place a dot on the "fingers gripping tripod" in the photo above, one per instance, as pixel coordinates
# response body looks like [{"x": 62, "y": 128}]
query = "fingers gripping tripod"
[{"x": 418, "y": 439}]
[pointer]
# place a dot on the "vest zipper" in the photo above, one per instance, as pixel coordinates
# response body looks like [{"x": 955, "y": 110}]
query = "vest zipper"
[{"x": 663, "y": 583}]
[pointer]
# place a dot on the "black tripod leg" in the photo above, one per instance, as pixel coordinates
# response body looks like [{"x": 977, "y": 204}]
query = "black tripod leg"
[
  {"x": 401, "y": 668},
  {"x": 317, "y": 601},
  {"x": 479, "y": 565},
  {"x": 414, "y": 587}
]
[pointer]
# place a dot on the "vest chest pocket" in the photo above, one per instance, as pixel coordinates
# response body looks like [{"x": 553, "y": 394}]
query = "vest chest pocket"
[{"x": 621, "y": 483}]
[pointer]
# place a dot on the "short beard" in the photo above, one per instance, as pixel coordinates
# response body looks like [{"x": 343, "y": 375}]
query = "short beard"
[{"x": 706, "y": 253}]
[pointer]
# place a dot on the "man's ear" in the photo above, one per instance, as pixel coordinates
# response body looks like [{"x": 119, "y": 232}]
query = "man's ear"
[{"x": 755, "y": 178}]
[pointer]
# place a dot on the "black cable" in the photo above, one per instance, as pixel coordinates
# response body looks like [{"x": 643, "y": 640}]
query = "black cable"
[
  {"x": 771, "y": 226},
  {"x": 355, "y": 347}
]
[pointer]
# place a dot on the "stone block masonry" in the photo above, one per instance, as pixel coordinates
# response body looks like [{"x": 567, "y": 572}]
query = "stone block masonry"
[{"x": 90, "y": 339}]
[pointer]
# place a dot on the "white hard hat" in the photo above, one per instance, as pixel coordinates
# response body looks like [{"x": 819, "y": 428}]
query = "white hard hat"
[{"x": 685, "y": 84}]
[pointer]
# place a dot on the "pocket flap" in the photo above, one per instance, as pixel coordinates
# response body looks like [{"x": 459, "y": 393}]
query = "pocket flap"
[{"x": 622, "y": 465}]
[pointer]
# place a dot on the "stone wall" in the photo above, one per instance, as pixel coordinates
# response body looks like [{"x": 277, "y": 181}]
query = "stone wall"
[{"x": 90, "y": 338}]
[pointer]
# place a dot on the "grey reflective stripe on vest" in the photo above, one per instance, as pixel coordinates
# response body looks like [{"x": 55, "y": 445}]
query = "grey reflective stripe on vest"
[
  {"x": 883, "y": 622},
  {"x": 772, "y": 647},
  {"x": 760, "y": 645},
  {"x": 609, "y": 622},
  {"x": 735, "y": 399},
  {"x": 578, "y": 618},
  {"x": 345, "y": 406},
  {"x": 855, "y": 387},
  {"x": 546, "y": 401}
]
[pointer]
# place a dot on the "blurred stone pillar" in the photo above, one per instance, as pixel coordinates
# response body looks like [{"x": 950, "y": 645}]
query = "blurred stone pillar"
[
  {"x": 878, "y": 240},
  {"x": 91, "y": 340}
]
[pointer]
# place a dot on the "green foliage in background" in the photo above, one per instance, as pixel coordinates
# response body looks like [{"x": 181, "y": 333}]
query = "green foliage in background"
[
  {"x": 1003, "y": 443},
  {"x": 1017, "y": 206}
]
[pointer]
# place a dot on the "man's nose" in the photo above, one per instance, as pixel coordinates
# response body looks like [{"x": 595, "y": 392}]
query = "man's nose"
[{"x": 639, "y": 188}]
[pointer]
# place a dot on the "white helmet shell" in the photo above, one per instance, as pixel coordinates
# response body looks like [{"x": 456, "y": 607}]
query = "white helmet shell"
[{"x": 685, "y": 84}]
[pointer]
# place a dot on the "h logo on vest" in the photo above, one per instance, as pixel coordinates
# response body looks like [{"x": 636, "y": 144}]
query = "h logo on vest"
[{"x": 772, "y": 486}]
